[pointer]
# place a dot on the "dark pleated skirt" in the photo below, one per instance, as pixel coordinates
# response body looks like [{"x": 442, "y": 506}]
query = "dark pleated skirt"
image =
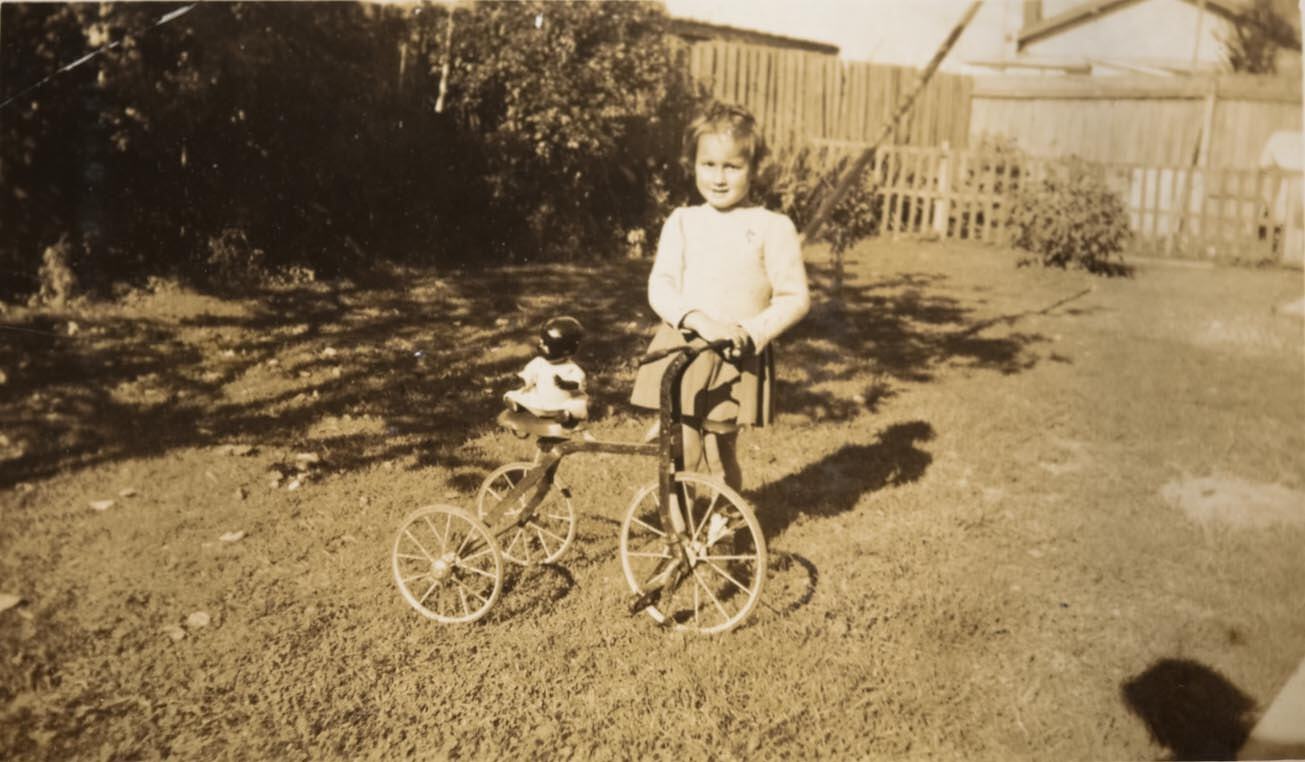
[{"x": 712, "y": 389}]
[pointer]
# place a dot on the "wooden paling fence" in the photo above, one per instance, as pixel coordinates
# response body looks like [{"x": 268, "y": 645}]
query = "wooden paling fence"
[
  {"x": 1173, "y": 210},
  {"x": 800, "y": 97},
  {"x": 1214, "y": 121}
]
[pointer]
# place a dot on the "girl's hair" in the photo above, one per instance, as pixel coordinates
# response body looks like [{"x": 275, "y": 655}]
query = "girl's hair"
[{"x": 726, "y": 119}]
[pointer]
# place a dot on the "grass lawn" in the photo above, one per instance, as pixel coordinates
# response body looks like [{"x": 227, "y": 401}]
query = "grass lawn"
[{"x": 1012, "y": 513}]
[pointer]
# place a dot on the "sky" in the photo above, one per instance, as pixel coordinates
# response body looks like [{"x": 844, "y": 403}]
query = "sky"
[{"x": 881, "y": 31}]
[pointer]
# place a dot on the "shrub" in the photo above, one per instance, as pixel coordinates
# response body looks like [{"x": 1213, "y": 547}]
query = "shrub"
[
  {"x": 232, "y": 262},
  {"x": 1070, "y": 217},
  {"x": 58, "y": 282},
  {"x": 579, "y": 107},
  {"x": 798, "y": 182}
]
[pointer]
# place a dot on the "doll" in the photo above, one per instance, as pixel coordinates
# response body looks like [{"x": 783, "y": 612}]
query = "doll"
[{"x": 553, "y": 386}]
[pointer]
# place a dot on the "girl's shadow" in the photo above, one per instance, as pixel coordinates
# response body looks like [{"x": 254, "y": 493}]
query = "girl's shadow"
[{"x": 833, "y": 484}]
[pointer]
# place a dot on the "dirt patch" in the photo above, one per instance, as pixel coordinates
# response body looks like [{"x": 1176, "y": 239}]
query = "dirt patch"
[
  {"x": 1253, "y": 334},
  {"x": 1234, "y": 502},
  {"x": 1296, "y": 308}
]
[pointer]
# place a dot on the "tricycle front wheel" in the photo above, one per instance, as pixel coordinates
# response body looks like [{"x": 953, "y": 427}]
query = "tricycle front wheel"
[{"x": 725, "y": 552}]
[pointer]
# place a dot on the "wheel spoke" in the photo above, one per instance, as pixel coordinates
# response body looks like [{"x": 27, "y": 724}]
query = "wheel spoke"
[
  {"x": 436, "y": 532},
  {"x": 542, "y": 543},
  {"x": 540, "y": 528},
  {"x": 463, "y": 560},
  {"x": 645, "y": 554},
  {"x": 434, "y": 584},
  {"x": 417, "y": 542},
  {"x": 462, "y": 588},
  {"x": 729, "y": 558},
  {"x": 711, "y": 507},
  {"x": 411, "y": 556},
  {"x": 726, "y": 575},
  {"x": 406, "y": 580},
  {"x": 527, "y": 546},
  {"x": 463, "y": 545},
  {"x": 649, "y": 527},
  {"x": 474, "y": 570},
  {"x": 719, "y": 606},
  {"x": 516, "y": 535}
]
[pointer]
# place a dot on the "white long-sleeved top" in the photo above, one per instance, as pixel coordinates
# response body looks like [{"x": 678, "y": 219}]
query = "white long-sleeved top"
[{"x": 740, "y": 266}]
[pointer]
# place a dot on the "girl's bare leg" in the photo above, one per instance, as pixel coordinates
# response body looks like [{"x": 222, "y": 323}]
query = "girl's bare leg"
[
  {"x": 694, "y": 456},
  {"x": 722, "y": 453},
  {"x": 694, "y": 460}
]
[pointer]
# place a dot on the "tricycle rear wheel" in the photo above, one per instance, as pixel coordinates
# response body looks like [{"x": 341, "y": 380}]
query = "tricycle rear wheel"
[
  {"x": 546, "y": 535},
  {"x": 447, "y": 564}
]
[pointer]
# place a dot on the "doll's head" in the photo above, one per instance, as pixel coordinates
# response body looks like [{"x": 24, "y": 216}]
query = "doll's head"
[
  {"x": 560, "y": 338},
  {"x": 723, "y": 148}
]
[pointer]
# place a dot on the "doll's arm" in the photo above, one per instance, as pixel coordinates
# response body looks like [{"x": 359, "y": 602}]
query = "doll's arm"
[{"x": 571, "y": 379}]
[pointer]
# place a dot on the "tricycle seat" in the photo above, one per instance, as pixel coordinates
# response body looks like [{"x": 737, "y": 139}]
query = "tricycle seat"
[{"x": 525, "y": 424}]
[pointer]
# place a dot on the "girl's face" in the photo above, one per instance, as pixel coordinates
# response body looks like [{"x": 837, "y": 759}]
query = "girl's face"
[{"x": 722, "y": 171}]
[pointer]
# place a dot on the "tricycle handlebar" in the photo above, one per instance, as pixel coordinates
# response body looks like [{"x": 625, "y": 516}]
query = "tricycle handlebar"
[{"x": 692, "y": 350}]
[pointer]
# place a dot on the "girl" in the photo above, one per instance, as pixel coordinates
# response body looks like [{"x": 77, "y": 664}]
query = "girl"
[{"x": 725, "y": 269}]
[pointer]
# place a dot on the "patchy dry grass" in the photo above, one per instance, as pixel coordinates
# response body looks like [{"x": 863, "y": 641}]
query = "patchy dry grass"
[{"x": 975, "y": 551}]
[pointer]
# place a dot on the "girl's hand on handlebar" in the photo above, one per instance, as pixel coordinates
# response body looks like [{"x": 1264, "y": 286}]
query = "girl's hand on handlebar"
[{"x": 711, "y": 330}]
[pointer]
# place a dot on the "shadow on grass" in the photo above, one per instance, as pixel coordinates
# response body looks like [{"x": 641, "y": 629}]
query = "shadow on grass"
[
  {"x": 1190, "y": 709},
  {"x": 793, "y": 584},
  {"x": 834, "y": 483},
  {"x": 409, "y": 367},
  {"x": 532, "y": 590}
]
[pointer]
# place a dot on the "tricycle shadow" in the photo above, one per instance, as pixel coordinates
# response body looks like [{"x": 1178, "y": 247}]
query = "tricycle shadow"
[
  {"x": 541, "y": 588},
  {"x": 791, "y": 583}
]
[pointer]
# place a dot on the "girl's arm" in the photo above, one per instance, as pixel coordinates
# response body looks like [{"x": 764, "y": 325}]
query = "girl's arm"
[
  {"x": 666, "y": 281},
  {"x": 790, "y": 298}
]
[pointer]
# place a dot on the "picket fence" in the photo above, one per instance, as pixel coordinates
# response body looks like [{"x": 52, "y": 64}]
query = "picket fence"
[{"x": 1173, "y": 211}]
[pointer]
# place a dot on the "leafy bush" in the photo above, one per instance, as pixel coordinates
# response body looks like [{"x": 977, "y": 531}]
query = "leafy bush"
[
  {"x": 799, "y": 182},
  {"x": 232, "y": 262},
  {"x": 580, "y": 107},
  {"x": 1070, "y": 216},
  {"x": 58, "y": 282}
]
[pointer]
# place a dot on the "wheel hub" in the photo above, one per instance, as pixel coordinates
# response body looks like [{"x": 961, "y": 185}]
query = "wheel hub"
[{"x": 442, "y": 567}]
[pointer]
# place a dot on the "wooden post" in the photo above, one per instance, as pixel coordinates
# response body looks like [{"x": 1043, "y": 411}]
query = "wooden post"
[
  {"x": 1293, "y": 223},
  {"x": 942, "y": 210},
  {"x": 1200, "y": 161}
]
